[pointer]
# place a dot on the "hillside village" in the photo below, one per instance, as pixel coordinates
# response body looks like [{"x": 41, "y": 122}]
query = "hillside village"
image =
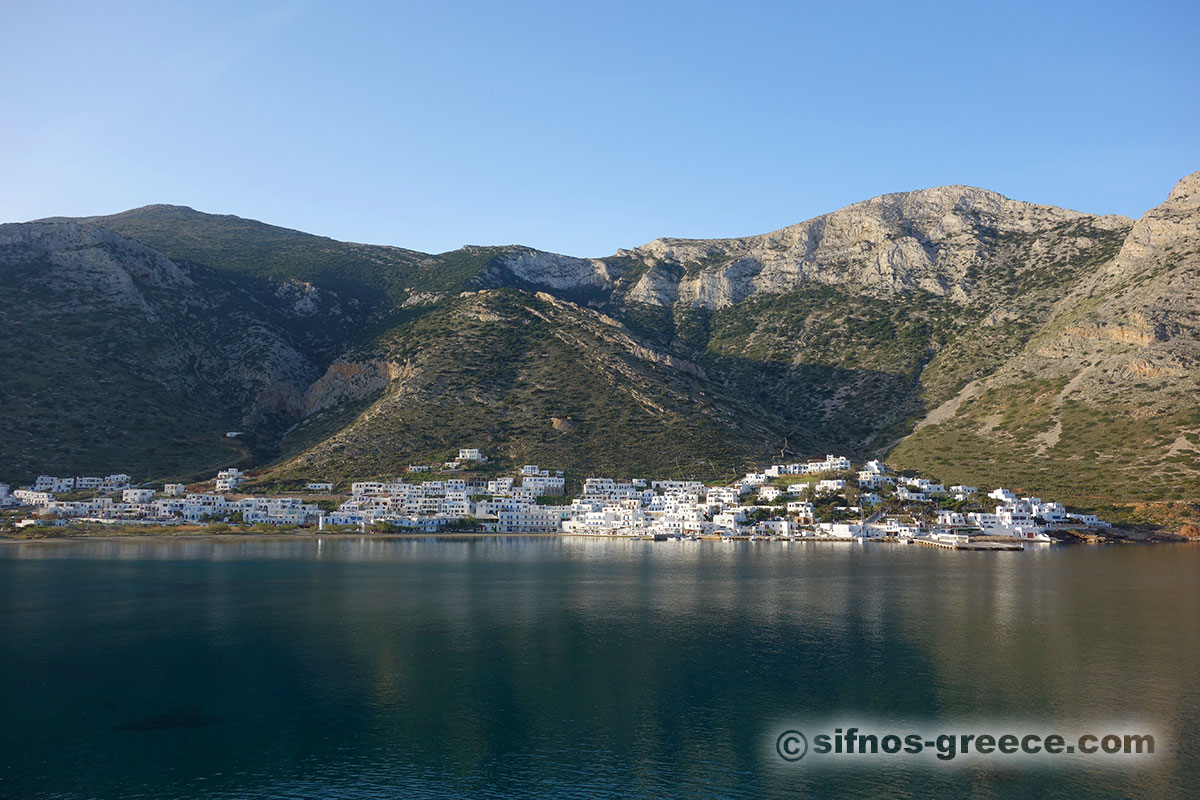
[
  {"x": 962, "y": 333},
  {"x": 818, "y": 499}
]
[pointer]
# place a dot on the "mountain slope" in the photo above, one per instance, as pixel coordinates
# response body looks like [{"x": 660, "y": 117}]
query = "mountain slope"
[
  {"x": 530, "y": 378},
  {"x": 1103, "y": 402},
  {"x": 116, "y": 358},
  {"x": 374, "y": 276}
]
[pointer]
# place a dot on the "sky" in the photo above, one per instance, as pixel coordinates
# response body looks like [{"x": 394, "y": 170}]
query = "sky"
[{"x": 581, "y": 128}]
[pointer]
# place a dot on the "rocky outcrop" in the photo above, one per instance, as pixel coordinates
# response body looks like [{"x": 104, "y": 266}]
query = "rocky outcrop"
[
  {"x": 934, "y": 240},
  {"x": 548, "y": 270},
  {"x": 349, "y": 381},
  {"x": 91, "y": 267}
]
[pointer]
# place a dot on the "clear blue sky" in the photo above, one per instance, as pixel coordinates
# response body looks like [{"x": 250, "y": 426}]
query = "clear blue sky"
[{"x": 584, "y": 127}]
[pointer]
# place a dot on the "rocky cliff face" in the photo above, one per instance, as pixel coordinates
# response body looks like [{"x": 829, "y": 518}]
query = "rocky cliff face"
[{"x": 93, "y": 267}]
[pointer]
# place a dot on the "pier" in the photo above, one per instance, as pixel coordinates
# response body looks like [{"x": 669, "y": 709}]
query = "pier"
[{"x": 969, "y": 545}]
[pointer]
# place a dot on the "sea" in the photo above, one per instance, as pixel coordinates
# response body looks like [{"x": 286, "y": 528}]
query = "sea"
[{"x": 347, "y": 666}]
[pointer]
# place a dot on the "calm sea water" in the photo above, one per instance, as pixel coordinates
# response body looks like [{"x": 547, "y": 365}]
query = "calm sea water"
[{"x": 525, "y": 667}]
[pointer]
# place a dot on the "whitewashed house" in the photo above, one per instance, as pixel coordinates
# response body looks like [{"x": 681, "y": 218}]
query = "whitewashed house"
[
  {"x": 951, "y": 519},
  {"x": 1091, "y": 520},
  {"x": 844, "y": 530},
  {"x": 31, "y": 497},
  {"x": 117, "y": 482},
  {"x": 777, "y": 527},
  {"x": 544, "y": 484},
  {"x": 830, "y": 464},
  {"x": 870, "y": 480},
  {"x": 1053, "y": 513},
  {"x": 803, "y": 511}
]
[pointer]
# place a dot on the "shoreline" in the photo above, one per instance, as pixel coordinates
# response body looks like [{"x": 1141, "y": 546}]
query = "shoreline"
[{"x": 1159, "y": 537}]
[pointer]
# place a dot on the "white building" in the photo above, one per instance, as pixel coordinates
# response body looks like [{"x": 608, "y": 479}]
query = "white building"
[
  {"x": 844, "y": 530},
  {"x": 31, "y": 497},
  {"x": 118, "y": 482},
  {"x": 544, "y": 484},
  {"x": 802, "y": 510},
  {"x": 777, "y": 527},
  {"x": 530, "y": 519},
  {"x": 730, "y": 518},
  {"x": 137, "y": 495},
  {"x": 49, "y": 483},
  {"x": 872, "y": 480},
  {"x": 319, "y": 486},
  {"x": 1091, "y": 520},
  {"x": 720, "y": 496},
  {"x": 951, "y": 519},
  {"x": 1053, "y": 513},
  {"x": 470, "y": 454},
  {"x": 830, "y": 464}
]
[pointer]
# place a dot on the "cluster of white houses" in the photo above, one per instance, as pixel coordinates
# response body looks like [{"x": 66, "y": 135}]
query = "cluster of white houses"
[{"x": 767, "y": 504}]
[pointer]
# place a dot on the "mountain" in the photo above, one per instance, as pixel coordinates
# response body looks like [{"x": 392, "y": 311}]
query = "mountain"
[
  {"x": 964, "y": 333},
  {"x": 112, "y": 354},
  {"x": 1103, "y": 401}
]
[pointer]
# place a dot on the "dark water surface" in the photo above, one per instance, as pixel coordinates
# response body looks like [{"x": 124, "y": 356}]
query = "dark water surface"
[{"x": 526, "y": 667}]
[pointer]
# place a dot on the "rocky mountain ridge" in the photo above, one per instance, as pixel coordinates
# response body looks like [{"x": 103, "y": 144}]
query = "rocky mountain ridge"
[
  {"x": 933, "y": 240},
  {"x": 911, "y": 311}
]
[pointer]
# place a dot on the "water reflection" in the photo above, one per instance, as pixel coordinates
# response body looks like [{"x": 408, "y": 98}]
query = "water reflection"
[{"x": 493, "y": 666}]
